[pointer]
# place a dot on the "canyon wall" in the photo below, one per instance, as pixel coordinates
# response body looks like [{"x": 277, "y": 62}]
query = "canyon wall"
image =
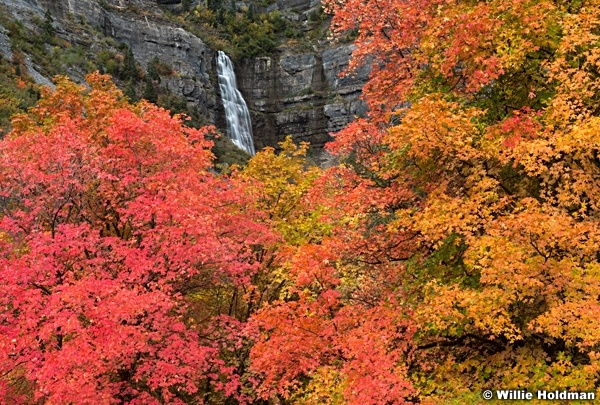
[{"x": 295, "y": 91}]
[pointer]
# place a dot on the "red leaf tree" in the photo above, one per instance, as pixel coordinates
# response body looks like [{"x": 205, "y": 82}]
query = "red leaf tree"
[{"x": 111, "y": 217}]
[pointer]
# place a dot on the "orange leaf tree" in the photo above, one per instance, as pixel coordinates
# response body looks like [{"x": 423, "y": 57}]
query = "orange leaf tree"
[{"x": 464, "y": 216}]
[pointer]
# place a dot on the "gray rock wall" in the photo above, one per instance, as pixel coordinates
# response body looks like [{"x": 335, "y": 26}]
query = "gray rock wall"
[
  {"x": 300, "y": 92},
  {"x": 301, "y": 95},
  {"x": 294, "y": 92},
  {"x": 148, "y": 37}
]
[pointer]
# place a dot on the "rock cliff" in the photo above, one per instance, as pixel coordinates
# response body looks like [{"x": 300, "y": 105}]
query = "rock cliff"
[
  {"x": 301, "y": 95},
  {"x": 295, "y": 91},
  {"x": 135, "y": 24},
  {"x": 299, "y": 92}
]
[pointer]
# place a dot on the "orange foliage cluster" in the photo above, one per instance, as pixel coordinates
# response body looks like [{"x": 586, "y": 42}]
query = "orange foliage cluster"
[{"x": 466, "y": 204}]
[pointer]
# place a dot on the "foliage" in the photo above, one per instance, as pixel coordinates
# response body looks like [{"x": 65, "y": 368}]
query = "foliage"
[
  {"x": 48, "y": 26},
  {"x": 149, "y": 90},
  {"x": 158, "y": 68},
  {"x": 466, "y": 207},
  {"x": 454, "y": 249},
  {"x": 246, "y": 33},
  {"x": 227, "y": 154},
  {"x": 17, "y": 91},
  {"x": 111, "y": 217},
  {"x": 280, "y": 184}
]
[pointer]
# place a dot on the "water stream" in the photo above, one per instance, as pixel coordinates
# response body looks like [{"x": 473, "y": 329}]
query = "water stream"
[{"x": 237, "y": 116}]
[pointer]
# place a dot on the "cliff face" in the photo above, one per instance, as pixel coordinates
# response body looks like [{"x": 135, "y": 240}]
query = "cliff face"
[
  {"x": 296, "y": 91},
  {"x": 300, "y": 93},
  {"x": 135, "y": 24}
]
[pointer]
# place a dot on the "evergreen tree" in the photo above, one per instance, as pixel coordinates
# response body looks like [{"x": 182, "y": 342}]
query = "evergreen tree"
[
  {"x": 129, "y": 68},
  {"x": 130, "y": 92},
  {"x": 214, "y": 5},
  {"x": 251, "y": 15},
  {"x": 220, "y": 16},
  {"x": 150, "y": 91},
  {"x": 153, "y": 70},
  {"x": 48, "y": 26}
]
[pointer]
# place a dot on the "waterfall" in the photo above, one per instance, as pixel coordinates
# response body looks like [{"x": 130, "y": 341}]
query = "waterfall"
[{"x": 237, "y": 116}]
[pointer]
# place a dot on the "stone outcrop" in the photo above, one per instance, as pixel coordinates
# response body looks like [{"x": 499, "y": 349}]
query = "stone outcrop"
[{"x": 301, "y": 95}]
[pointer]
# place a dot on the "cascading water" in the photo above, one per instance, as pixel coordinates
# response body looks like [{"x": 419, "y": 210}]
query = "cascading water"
[{"x": 237, "y": 116}]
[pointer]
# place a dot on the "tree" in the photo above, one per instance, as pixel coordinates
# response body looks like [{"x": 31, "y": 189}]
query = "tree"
[
  {"x": 111, "y": 221},
  {"x": 17, "y": 93},
  {"x": 149, "y": 90},
  {"x": 466, "y": 206},
  {"x": 130, "y": 92},
  {"x": 153, "y": 69},
  {"x": 48, "y": 26},
  {"x": 281, "y": 183},
  {"x": 326, "y": 338},
  {"x": 130, "y": 71},
  {"x": 454, "y": 249}
]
